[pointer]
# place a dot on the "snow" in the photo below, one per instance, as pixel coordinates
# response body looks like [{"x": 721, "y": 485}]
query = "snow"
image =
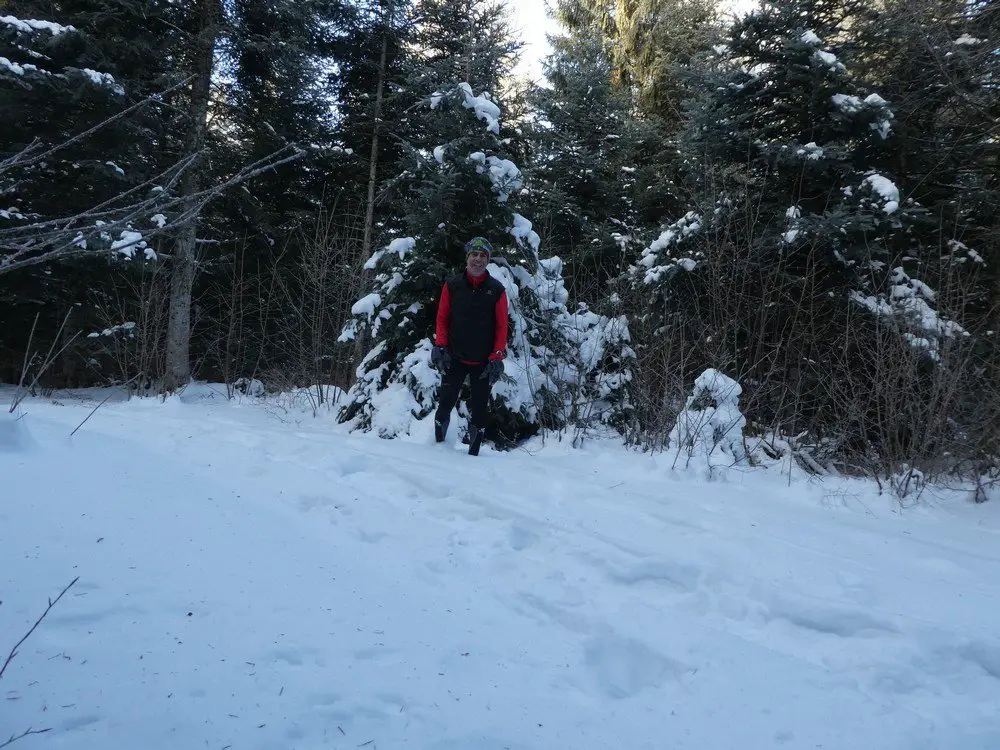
[
  {"x": 910, "y": 300},
  {"x": 658, "y": 258},
  {"x": 847, "y": 103},
  {"x": 886, "y": 188},
  {"x": 367, "y": 305},
  {"x": 709, "y": 429},
  {"x": 128, "y": 328},
  {"x": 505, "y": 177},
  {"x": 159, "y": 219},
  {"x": 523, "y": 232},
  {"x": 102, "y": 79},
  {"x": 13, "y": 67},
  {"x": 968, "y": 40},
  {"x": 130, "y": 241},
  {"x": 484, "y": 108},
  {"x": 811, "y": 151},
  {"x": 439, "y": 154},
  {"x": 809, "y": 37},
  {"x": 827, "y": 58},
  {"x": 254, "y": 577},
  {"x": 30, "y": 25},
  {"x": 401, "y": 246}
]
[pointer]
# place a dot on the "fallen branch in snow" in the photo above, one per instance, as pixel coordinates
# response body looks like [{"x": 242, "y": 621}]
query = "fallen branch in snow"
[
  {"x": 93, "y": 411},
  {"x": 25, "y": 733},
  {"x": 13, "y": 651}
]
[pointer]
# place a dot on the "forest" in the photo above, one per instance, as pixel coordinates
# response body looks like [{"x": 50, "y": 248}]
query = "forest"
[{"x": 802, "y": 200}]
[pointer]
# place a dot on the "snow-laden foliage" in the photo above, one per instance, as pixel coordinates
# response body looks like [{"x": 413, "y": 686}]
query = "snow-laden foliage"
[
  {"x": 710, "y": 427},
  {"x": 27, "y": 40},
  {"x": 786, "y": 121},
  {"x": 561, "y": 365}
]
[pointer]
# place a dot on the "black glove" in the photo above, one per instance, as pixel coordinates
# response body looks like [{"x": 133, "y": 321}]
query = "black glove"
[
  {"x": 440, "y": 359},
  {"x": 493, "y": 371}
]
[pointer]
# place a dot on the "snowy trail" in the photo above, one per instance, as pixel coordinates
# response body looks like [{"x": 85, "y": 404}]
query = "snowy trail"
[{"x": 253, "y": 583}]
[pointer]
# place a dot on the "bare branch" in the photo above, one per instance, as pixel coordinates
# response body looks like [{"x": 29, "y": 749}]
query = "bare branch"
[
  {"x": 13, "y": 651},
  {"x": 26, "y": 733}
]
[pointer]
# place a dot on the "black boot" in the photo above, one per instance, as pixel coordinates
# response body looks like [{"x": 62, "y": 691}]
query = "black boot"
[
  {"x": 440, "y": 430},
  {"x": 475, "y": 439}
]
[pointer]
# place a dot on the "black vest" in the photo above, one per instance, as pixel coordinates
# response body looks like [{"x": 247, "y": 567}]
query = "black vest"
[{"x": 473, "y": 317}]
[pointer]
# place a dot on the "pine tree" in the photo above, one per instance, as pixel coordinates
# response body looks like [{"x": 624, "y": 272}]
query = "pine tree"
[
  {"x": 800, "y": 235},
  {"x": 458, "y": 181},
  {"x": 936, "y": 61},
  {"x": 584, "y": 164},
  {"x": 64, "y": 81},
  {"x": 650, "y": 42}
]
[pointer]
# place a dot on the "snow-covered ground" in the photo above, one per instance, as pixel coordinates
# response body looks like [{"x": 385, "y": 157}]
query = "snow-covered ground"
[{"x": 251, "y": 577}]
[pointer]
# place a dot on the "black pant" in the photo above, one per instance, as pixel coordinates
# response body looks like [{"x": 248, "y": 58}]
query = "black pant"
[{"x": 452, "y": 384}]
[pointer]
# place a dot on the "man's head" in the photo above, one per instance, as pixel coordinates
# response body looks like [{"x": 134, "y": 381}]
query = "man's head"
[{"x": 477, "y": 255}]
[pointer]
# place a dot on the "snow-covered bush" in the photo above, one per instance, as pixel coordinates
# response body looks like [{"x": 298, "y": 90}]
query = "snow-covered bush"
[
  {"x": 460, "y": 188},
  {"x": 802, "y": 266},
  {"x": 710, "y": 427}
]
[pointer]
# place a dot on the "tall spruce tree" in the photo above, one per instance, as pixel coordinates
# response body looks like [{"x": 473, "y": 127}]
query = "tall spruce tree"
[
  {"x": 649, "y": 42},
  {"x": 584, "y": 163},
  {"x": 937, "y": 61}
]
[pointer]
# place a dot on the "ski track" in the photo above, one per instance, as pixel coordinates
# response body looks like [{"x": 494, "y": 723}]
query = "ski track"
[{"x": 246, "y": 589}]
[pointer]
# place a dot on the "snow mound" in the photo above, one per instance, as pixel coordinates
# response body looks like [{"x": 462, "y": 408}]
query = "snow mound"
[
  {"x": 710, "y": 426},
  {"x": 14, "y": 434}
]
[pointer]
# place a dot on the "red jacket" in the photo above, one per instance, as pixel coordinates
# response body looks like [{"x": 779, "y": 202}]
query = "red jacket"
[{"x": 444, "y": 320}]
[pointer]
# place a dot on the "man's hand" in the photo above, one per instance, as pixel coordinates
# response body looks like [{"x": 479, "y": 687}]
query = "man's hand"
[
  {"x": 493, "y": 371},
  {"x": 440, "y": 359}
]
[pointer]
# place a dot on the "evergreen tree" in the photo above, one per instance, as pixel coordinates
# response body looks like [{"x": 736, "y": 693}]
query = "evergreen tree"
[
  {"x": 649, "y": 42},
  {"x": 584, "y": 164},
  {"x": 458, "y": 181},
  {"x": 64, "y": 82},
  {"x": 937, "y": 60},
  {"x": 800, "y": 235}
]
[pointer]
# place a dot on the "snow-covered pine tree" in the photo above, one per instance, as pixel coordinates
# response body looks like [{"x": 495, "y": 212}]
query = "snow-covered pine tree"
[
  {"x": 453, "y": 188},
  {"x": 799, "y": 233}
]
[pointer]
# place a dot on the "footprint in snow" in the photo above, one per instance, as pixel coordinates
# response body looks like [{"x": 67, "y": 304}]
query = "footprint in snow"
[
  {"x": 521, "y": 538},
  {"x": 79, "y": 722},
  {"x": 624, "y": 666},
  {"x": 679, "y": 576},
  {"x": 827, "y": 619}
]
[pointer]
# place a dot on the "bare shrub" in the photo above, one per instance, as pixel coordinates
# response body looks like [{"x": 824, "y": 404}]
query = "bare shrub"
[
  {"x": 842, "y": 389},
  {"x": 127, "y": 349}
]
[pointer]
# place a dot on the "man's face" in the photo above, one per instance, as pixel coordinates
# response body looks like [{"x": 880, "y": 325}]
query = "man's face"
[{"x": 475, "y": 262}]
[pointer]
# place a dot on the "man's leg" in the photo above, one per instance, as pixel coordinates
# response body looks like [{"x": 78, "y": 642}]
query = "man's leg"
[
  {"x": 478, "y": 402},
  {"x": 451, "y": 384}
]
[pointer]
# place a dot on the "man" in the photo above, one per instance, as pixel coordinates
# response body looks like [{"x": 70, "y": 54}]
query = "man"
[{"x": 470, "y": 340}]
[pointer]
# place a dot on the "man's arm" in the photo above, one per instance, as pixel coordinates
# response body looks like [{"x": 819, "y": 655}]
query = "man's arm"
[
  {"x": 500, "y": 334},
  {"x": 443, "y": 318}
]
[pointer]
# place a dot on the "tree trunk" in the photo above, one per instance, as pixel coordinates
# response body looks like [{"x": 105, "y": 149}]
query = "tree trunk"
[
  {"x": 366, "y": 248},
  {"x": 178, "y": 361}
]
